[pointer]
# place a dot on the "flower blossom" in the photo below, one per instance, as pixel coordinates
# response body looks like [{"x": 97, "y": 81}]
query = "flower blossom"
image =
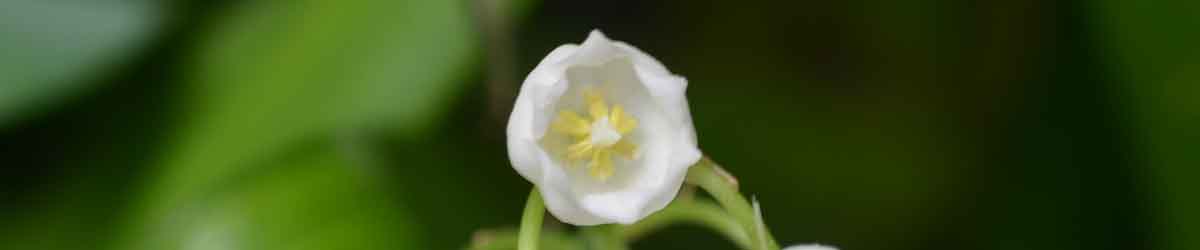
[{"x": 604, "y": 132}]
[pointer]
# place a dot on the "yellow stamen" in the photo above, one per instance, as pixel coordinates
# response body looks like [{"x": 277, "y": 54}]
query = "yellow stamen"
[
  {"x": 622, "y": 121},
  {"x": 570, "y": 123},
  {"x": 598, "y": 109},
  {"x": 579, "y": 150},
  {"x": 601, "y": 167},
  {"x": 599, "y": 156},
  {"x": 625, "y": 148}
]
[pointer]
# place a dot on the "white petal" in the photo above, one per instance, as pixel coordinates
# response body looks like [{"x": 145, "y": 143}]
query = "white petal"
[
  {"x": 563, "y": 204},
  {"x": 522, "y": 133},
  {"x": 669, "y": 92},
  {"x": 810, "y": 247},
  {"x": 596, "y": 50},
  {"x": 623, "y": 207},
  {"x": 667, "y": 193},
  {"x": 522, "y": 147},
  {"x": 668, "y": 89}
]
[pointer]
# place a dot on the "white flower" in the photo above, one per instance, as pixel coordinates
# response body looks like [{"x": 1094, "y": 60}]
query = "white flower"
[
  {"x": 810, "y": 247},
  {"x": 604, "y": 132}
]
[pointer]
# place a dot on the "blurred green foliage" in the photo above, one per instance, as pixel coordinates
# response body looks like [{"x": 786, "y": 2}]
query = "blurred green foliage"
[
  {"x": 1154, "y": 50},
  {"x": 369, "y": 124},
  {"x": 50, "y": 48},
  {"x": 275, "y": 75}
]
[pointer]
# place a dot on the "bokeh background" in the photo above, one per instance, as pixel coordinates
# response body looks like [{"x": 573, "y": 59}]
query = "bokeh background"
[{"x": 378, "y": 124}]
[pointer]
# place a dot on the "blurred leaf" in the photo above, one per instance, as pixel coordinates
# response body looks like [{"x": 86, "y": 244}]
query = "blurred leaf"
[
  {"x": 274, "y": 77},
  {"x": 506, "y": 239},
  {"x": 318, "y": 201},
  {"x": 53, "y": 49},
  {"x": 279, "y": 72},
  {"x": 68, "y": 175},
  {"x": 1155, "y": 53}
]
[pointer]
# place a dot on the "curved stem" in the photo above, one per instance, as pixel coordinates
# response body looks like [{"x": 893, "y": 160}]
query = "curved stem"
[
  {"x": 718, "y": 183},
  {"x": 531, "y": 222},
  {"x": 701, "y": 212}
]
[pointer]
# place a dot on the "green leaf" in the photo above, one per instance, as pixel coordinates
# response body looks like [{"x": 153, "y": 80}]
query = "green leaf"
[
  {"x": 272, "y": 79},
  {"x": 52, "y": 49},
  {"x": 279, "y": 73},
  {"x": 319, "y": 200}
]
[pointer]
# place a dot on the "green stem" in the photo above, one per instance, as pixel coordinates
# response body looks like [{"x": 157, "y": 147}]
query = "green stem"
[
  {"x": 604, "y": 237},
  {"x": 702, "y": 213},
  {"x": 718, "y": 183},
  {"x": 531, "y": 222}
]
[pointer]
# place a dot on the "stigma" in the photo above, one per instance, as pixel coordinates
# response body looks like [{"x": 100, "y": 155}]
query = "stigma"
[{"x": 597, "y": 137}]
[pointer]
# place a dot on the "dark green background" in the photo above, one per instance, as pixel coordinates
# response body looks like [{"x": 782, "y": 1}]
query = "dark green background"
[{"x": 366, "y": 124}]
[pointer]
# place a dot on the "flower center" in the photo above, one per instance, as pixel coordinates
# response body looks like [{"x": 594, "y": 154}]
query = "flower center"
[
  {"x": 603, "y": 134},
  {"x": 597, "y": 137}
]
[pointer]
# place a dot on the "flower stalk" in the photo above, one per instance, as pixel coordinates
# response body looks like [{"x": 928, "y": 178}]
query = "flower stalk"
[
  {"x": 702, "y": 213},
  {"x": 713, "y": 179},
  {"x": 605, "y": 237},
  {"x": 531, "y": 222}
]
